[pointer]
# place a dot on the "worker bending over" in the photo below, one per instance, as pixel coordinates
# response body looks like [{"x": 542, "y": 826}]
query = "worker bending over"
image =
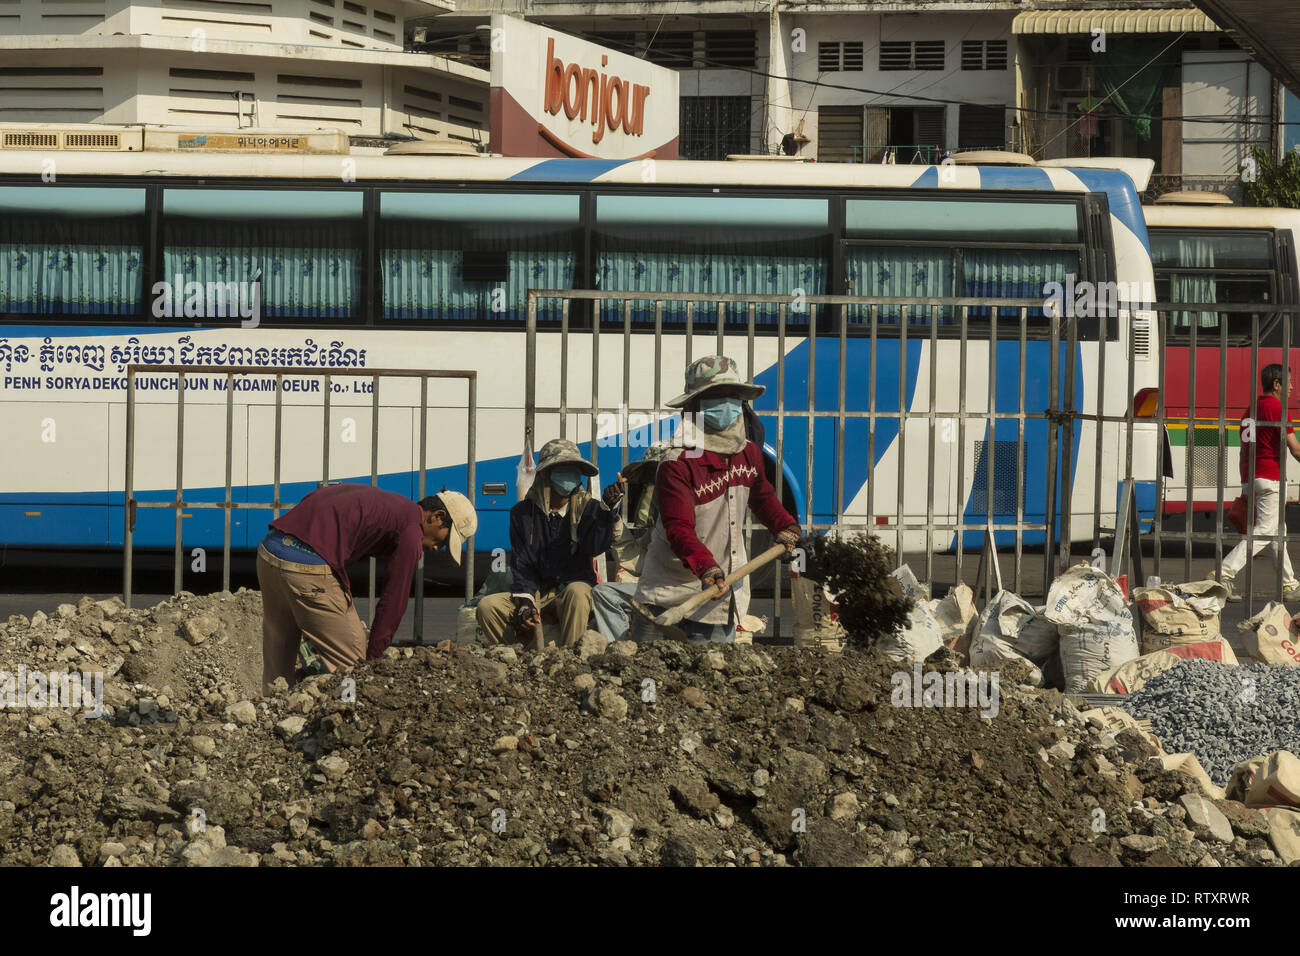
[{"x": 302, "y": 570}]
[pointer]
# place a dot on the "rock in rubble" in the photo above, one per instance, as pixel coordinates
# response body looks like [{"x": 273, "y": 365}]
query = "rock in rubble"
[
  {"x": 243, "y": 712},
  {"x": 199, "y": 629}
]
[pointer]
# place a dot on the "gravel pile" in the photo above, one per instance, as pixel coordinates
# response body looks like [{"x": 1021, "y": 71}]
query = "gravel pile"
[
  {"x": 660, "y": 754},
  {"x": 1223, "y": 714}
]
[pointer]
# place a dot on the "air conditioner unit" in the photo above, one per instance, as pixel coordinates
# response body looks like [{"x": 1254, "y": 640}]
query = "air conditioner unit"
[
  {"x": 60, "y": 137},
  {"x": 1073, "y": 78}
]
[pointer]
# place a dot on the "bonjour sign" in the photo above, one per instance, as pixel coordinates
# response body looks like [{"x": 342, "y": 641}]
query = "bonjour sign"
[{"x": 608, "y": 102}]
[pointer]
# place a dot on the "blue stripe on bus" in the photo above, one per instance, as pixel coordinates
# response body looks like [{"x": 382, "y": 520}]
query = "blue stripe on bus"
[
  {"x": 568, "y": 170},
  {"x": 857, "y": 469},
  {"x": 1014, "y": 177},
  {"x": 1124, "y": 203},
  {"x": 928, "y": 179},
  {"x": 94, "y": 518},
  {"x": 1037, "y": 396}
]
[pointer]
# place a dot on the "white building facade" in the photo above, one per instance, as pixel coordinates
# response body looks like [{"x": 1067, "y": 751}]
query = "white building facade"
[{"x": 215, "y": 64}]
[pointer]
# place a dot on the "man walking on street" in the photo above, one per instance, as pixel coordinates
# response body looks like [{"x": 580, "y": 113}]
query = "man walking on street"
[
  {"x": 555, "y": 533},
  {"x": 1270, "y": 407},
  {"x": 302, "y": 570},
  {"x": 704, "y": 487}
]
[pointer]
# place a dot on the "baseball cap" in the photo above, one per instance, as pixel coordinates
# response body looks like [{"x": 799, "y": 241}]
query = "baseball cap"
[{"x": 464, "y": 521}]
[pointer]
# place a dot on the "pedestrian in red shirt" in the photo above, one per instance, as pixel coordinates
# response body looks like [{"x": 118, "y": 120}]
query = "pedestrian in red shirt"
[
  {"x": 302, "y": 570},
  {"x": 1268, "y": 490}
]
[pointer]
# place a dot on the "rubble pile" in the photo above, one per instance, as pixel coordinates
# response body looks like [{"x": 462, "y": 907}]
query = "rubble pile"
[{"x": 659, "y": 754}]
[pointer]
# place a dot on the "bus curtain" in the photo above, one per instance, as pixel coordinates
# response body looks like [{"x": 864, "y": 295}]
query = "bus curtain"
[
  {"x": 54, "y": 266},
  {"x": 893, "y": 272},
  {"x": 1195, "y": 252},
  {"x": 428, "y": 284},
  {"x": 705, "y": 272},
  {"x": 310, "y": 270}
]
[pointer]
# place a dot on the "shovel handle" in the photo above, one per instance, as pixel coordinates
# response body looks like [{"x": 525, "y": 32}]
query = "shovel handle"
[
  {"x": 673, "y": 615},
  {"x": 539, "y": 637}
]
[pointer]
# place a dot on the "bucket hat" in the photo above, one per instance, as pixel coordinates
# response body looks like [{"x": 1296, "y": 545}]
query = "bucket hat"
[
  {"x": 559, "y": 451},
  {"x": 718, "y": 375}
]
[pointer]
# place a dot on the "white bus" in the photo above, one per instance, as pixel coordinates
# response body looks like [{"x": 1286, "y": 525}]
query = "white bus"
[{"x": 388, "y": 261}]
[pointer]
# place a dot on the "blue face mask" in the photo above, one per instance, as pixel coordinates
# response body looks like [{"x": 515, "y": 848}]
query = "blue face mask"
[
  {"x": 565, "y": 480},
  {"x": 719, "y": 413}
]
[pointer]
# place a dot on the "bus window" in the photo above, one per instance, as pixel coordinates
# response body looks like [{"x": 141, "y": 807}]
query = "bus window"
[
  {"x": 899, "y": 248},
  {"x": 302, "y": 248},
  {"x": 71, "y": 250},
  {"x": 474, "y": 256},
  {"x": 705, "y": 243},
  {"x": 1221, "y": 268}
]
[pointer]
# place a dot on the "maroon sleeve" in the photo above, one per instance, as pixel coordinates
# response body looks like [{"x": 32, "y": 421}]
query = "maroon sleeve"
[
  {"x": 399, "y": 571},
  {"x": 763, "y": 501},
  {"x": 677, "y": 512}
]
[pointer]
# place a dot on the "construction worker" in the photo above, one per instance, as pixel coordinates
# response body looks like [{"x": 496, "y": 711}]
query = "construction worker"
[
  {"x": 632, "y": 498},
  {"x": 555, "y": 533},
  {"x": 704, "y": 487},
  {"x": 302, "y": 570}
]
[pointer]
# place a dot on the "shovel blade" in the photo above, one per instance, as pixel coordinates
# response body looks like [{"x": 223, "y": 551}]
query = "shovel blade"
[{"x": 665, "y": 629}]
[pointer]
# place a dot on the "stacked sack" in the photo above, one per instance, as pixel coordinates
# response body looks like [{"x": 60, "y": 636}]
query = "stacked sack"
[
  {"x": 1179, "y": 622},
  {"x": 932, "y": 624}
]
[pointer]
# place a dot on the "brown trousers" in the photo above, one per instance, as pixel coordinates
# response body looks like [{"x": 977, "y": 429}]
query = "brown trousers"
[
  {"x": 570, "y": 606},
  {"x": 305, "y": 601}
]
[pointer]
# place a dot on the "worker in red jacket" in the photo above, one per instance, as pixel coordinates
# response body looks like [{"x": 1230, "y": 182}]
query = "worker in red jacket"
[
  {"x": 302, "y": 570},
  {"x": 704, "y": 487}
]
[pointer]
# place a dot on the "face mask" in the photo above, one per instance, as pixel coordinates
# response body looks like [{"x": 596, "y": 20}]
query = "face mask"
[
  {"x": 719, "y": 413},
  {"x": 565, "y": 480}
]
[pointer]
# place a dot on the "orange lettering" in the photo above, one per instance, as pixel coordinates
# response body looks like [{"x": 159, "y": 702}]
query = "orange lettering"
[
  {"x": 572, "y": 105},
  {"x": 554, "y": 78},
  {"x": 610, "y": 101}
]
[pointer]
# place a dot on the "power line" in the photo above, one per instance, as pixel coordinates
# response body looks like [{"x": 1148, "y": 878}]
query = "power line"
[{"x": 818, "y": 82}]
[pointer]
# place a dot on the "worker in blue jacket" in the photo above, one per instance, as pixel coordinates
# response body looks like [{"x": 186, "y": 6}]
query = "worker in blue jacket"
[{"x": 555, "y": 533}]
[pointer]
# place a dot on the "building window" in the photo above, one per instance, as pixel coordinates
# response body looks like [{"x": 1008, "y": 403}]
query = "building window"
[
  {"x": 983, "y": 54},
  {"x": 840, "y": 56},
  {"x": 674, "y": 50},
  {"x": 912, "y": 55},
  {"x": 713, "y": 127},
  {"x": 981, "y": 127},
  {"x": 730, "y": 49}
]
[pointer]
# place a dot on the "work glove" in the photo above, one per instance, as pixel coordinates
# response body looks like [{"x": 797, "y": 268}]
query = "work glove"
[
  {"x": 526, "y": 614},
  {"x": 613, "y": 494},
  {"x": 790, "y": 538},
  {"x": 713, "y": 578}
]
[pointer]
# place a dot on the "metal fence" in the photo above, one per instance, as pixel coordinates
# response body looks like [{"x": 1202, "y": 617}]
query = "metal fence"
[
  {"x": 228, "y": 505},
  {"x": 1207, "y": 352},
  {"x": 1127, "y": 448},
  {"x": 641, "y": 331}
]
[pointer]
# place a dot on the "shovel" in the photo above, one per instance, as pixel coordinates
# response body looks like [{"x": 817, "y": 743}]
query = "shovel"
[{"x": 668, "y": 620}]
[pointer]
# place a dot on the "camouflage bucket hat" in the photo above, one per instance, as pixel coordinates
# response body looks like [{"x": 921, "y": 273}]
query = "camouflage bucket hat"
[
  {"x": 718, "y": 375},
  {"x": 650, "y": 461},
  {"x": 559, "y": 451}
]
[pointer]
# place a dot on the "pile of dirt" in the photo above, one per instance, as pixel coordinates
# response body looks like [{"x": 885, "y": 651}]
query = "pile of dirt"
[{"x": 654, "y": 754}]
